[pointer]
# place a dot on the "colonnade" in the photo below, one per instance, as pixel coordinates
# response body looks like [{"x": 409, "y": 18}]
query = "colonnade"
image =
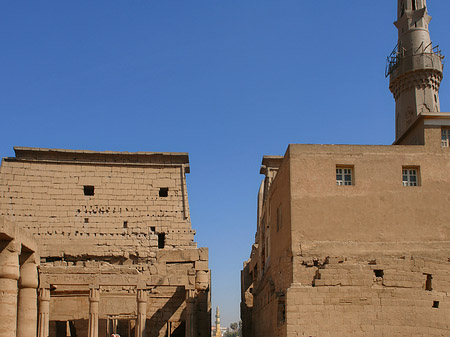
[{"x": 25, "y": 314}]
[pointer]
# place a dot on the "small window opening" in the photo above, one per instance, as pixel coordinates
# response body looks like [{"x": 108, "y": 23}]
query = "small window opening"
[
  {"x": 428, "y": 283},
  {"x": 445, "y": 132},
  {"x": 435, "y": 98},
  {"x": 344, "y": 176},
  {"x": 436, "y": 304},
  {"x": 88, "y": 190},
  {"x": 414, "y": 5},
  {"x": 125, "y": 224},
  {"x": 163, "y": 192},
  {"x": 86, "y": 220},
  {"x": 410, "y": 176},
  {"x": 161, "y": 240},
  {"x": 378, "y": 273},
  {"x": 152, "y": 229}
]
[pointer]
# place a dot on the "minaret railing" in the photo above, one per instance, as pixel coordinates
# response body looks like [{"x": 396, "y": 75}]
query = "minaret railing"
[{"x": 398, "y": 56}]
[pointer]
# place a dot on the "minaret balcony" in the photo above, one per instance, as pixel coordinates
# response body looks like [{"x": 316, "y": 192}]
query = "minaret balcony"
[{"x": 398, "y": 64}]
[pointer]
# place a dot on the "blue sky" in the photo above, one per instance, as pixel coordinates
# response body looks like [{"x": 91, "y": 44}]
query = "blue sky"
[{"x": 226, "y": 80}]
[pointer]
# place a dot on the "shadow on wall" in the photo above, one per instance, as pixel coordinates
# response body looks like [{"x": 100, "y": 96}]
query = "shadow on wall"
[{"x": 160, "y": 319}]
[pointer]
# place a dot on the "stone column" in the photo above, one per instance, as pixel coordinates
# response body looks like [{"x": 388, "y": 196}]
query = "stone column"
[
  {"x": 190, "y": 314},
  {"x": 44, "y": 312},
  {"x": 141, "y": 313},
  {"x": 94, "y": 298},
  {"x": 9, "y": 274},
  {"x": 27, "y": 307}
]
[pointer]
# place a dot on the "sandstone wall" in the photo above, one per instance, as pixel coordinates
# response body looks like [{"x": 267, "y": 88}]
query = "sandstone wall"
[
  {"x": 115, "y": 239},
  {"x": 124, "y": 216},
  {"x": 387, "y": 296},
  {"x": 377, "y": 207}
]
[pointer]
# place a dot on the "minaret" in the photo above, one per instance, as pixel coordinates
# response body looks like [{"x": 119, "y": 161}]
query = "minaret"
[
  {"x": 218, "y": 332},
  {"x": 415, "y": 66}
]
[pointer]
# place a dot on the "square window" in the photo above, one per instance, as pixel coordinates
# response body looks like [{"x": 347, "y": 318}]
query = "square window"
[
  {"x": 410, "y": 176},
  {"x": 88, "y": 190},
  {"x": 445, "y": 142},
  {"x": 163, "y": 192},
  {"x": 344, "y": 176}
]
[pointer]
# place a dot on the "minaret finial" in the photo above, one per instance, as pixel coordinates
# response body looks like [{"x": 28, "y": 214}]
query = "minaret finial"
[{"x": 415, "y": 66}]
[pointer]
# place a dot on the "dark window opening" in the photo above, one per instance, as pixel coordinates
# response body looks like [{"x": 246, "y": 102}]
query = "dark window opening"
[
  {"x": 163, "y": 192},
  {"x": 378, "y": 273},
  {"x": 88, "y": 190},
  {"x": 435, "y": 98},
  {"x": 152, "y": 229},
  {"x": 281, "y": 312},
  {"x": 161, "y": 240},
  {"x": 436, "y": 304},
  {"x": 125, "y": 224},
  {"x": 86, "y": 220},
  {"x": 414, "y": 5},
  {"x": 428, "y": 283}
]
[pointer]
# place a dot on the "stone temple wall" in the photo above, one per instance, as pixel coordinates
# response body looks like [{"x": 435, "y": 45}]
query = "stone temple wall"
[
  {"x": 130, "y": 203},
  {"x": 117, "y": 250}
]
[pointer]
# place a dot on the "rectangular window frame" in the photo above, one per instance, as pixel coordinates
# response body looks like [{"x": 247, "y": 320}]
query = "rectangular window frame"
[
  {"x": 411, "y": 176},
  {"x": 445, "y": 137},
  {"x": 345, "y": 175}
]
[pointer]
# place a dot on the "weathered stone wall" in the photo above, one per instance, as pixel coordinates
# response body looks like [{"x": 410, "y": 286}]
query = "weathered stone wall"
[
  {"x": 116, "y": 244},
  {"x": 124, "y": 215},
  {"x": 370, "y": 259},
  {"x": 387, "y": 296}
]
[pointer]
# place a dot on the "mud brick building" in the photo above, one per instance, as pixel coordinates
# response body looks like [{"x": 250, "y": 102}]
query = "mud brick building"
[
  {"x": 354, "y": 240},
  {"x": 94, "y": 243}
]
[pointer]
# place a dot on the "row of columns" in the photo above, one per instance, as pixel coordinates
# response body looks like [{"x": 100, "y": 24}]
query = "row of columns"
[
  {"x": 18, "y": 290},
  {"x": 18, "y": 293},
  {"x": 94, "y": 299}
]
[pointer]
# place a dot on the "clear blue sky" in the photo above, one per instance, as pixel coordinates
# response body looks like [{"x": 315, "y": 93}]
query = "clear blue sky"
[{"x": 226, "y": 80}]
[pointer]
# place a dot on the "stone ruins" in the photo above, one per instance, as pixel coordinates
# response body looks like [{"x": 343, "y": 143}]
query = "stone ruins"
[
  {"x": 95, "y": 243},
  {"x": 354, "y": 240}
]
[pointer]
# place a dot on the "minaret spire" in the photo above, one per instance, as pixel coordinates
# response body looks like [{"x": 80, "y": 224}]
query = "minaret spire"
[
  {"x": 415, "y": 66},
  {"x": 218, "y": 331}
]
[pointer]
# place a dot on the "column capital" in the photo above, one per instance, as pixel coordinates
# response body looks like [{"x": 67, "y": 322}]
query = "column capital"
[
  {"x": 44, "y": 294},
  {"x": 9, "y": 259},
  {"x": 141, "y": 295},
  {"x": 190, "y": 295},
  {"x": 94, "y": 294},
  {"x": 29, "y": 275}
]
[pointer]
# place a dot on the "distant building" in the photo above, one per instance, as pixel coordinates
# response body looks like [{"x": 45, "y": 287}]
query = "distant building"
[
  {"x": 354, "y": 240},
  {"x": 218, "y": 331}
]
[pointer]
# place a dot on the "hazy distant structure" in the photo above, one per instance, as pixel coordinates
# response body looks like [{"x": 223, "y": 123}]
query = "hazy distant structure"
[
  {"x": 218, "y": 330},
  {"x": 354, "y": 240},
  {"x": 111, "y": 235}
]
